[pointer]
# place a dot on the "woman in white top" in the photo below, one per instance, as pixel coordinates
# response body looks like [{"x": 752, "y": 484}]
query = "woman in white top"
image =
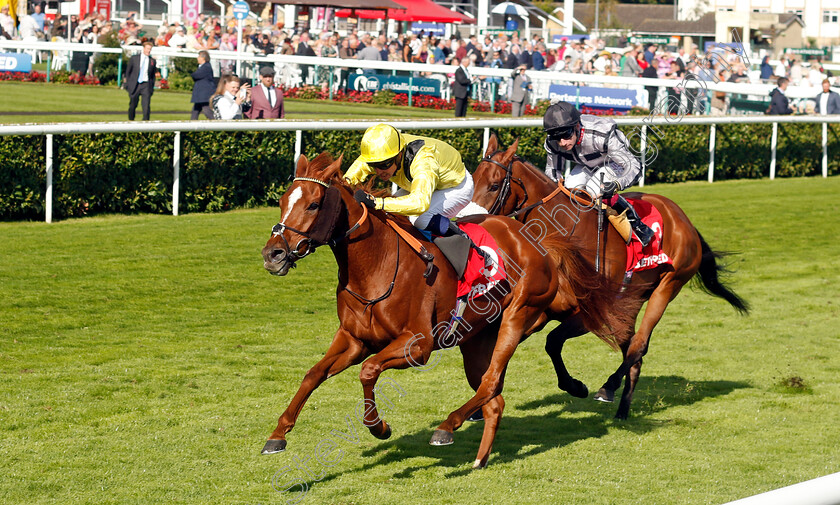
[{"x": 230, "y": 99}]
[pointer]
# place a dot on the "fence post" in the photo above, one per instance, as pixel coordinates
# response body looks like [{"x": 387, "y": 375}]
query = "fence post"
[
  {"x": 486, "y": 141},
  {"x": 825, "y": 149},
  {"x": 49, "y": 195},
  {"x": 410, "y": 85},
  {"x": 773, "y": 141},
  {"x": 176, "y": 172},
  {"x": 49, "y": 65},
  {"x": 332, "y": 74},
  {"x": 493, "y": 97},
  {"x": 642, "y": 148},
  {"x": 119, "y": 71},
  {"x": 712, "y": 153},
  {"x": 298, "y": 142}
]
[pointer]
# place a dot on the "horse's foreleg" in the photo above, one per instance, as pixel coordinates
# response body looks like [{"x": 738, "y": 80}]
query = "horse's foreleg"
[
  {"x": 570, "y": 328},
  {"x": 344, "y": 351},
  {"x": 492, "y": 382},
  {"x": 477, "y": 353},
  {"x": 406, "y": 350}
]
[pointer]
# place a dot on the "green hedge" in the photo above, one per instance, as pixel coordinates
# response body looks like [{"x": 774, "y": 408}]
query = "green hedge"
[{"x": 128, "y": 173}]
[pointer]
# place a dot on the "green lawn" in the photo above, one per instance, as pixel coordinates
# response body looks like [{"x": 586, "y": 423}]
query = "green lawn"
[
  {"x": 145, "y": 359},
  {"x": 25, "y": 98}
]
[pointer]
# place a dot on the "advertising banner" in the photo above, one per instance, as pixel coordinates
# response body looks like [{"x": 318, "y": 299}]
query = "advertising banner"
[
  {"x": 15, "y": 62},
  {"x": 191, "y": 10},
  {"x": 395, "y": 83},
  {"x": 599, "y": 98}
]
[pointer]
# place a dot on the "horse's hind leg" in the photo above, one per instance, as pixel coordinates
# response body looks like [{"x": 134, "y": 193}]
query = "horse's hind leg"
[
  {"x": 638, "y": 347},
  {"x": 570, "y": 328}
]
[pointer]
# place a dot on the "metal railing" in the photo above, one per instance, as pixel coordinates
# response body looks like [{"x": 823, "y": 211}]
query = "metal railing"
[{"x": 299, "y": 127}]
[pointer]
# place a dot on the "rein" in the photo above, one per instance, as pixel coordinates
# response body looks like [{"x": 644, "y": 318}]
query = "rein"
[{"x": 505, "y": 191}]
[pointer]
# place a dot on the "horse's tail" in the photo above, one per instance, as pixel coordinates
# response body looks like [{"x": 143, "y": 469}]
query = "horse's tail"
[
  {"x": 604, "y": 308},
  {"x": 708, "y": 277}
]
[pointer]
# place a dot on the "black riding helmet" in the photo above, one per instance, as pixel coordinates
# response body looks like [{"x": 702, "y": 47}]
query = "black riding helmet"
[{"x": 560, "y": 122}]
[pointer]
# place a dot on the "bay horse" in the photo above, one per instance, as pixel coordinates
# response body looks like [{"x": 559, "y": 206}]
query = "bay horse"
[
  {"x": 508, "y": 185},
  {"x": 391, "y": 316}
]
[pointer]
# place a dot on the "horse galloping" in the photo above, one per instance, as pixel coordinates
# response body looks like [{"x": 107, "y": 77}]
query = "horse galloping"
[
  {"x": 508, "y": 185},
  {"x": 392, "y": 315}
]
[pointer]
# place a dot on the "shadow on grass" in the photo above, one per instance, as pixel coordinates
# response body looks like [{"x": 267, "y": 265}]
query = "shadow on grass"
[{"x": 521, "y": 436}]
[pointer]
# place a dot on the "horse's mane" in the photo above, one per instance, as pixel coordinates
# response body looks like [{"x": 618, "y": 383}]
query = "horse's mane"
[{"x": 320, "y": 165}]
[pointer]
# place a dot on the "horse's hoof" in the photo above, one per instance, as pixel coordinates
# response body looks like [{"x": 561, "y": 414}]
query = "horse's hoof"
[
  {"x": 476, "y": 416},
  {"x": 575, "y": 388},
  {"x": 382, "y": 434},
  {"x": 441, "y": 437},
  {"x": 621, "y": 416},
  {"x": 478, "y": 465},
  {"x": 274, "y": 446},
  {"x": 605, "y": 395}
]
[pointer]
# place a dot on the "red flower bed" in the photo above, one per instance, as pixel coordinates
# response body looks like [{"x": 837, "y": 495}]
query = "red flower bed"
[{"x": 23, "y": 76}]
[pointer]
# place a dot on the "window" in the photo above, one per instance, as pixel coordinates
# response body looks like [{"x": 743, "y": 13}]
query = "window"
[
  {"x": 724, "y": 9},
  {"x": 830, "y": 16},
  {"x": 761, "y": 10},
  {"x": 798, "y": 12}
]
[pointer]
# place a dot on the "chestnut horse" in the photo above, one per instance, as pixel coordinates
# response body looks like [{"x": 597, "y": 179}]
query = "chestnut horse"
[
  {"x": 388, "y": 311},
  {"x": 508, "y": 185}
]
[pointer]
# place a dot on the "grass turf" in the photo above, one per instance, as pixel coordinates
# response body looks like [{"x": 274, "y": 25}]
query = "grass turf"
[
  {"x": 145, "y": 359},
  {"x": 79, "y": 104}
]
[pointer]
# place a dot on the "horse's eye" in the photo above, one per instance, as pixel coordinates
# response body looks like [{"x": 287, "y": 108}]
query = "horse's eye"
[
  {"x": 313, "y": 206},
  {"x": 494, "y": 187}
]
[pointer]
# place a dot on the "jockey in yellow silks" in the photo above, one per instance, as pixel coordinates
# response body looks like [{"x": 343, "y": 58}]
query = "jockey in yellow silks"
[{"x": 434, "y": 185}]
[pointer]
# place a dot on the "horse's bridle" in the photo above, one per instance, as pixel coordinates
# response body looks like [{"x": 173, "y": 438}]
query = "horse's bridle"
[
  {"x": 310, "y": 240},
  {"x": 505, "y": 190}
]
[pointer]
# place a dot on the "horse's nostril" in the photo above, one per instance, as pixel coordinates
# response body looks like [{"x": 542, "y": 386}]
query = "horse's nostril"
[{"x": 277, "y": 254}]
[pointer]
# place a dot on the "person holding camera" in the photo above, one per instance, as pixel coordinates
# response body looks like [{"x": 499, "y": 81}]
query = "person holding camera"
[{"x": 232, "y": 99}]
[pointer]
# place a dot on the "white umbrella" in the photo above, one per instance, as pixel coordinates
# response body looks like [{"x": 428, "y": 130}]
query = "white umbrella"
[{"x": 510, "y": 9}]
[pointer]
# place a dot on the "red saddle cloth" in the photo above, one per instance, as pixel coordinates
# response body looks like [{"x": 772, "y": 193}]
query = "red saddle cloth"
[
  {"x": 643, "y": 258},
  {"x": 478, "y": 279}
]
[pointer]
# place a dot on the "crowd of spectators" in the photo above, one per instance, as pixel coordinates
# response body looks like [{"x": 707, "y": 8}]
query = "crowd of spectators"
[{"x": 581, "y": 56}]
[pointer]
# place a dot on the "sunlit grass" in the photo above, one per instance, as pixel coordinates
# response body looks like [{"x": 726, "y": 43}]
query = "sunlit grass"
[{"x": 145, "y": 359}]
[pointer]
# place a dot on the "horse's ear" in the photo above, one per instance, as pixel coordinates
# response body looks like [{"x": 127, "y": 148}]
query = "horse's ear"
[
  {"x": 334, "y": 168},
  {"x": 510, "y": 152},
  {"x": 492, "y": 145},
  {"x": 302, "y": 165}
]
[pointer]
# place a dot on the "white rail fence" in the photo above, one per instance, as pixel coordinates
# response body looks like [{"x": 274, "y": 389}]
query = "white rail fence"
[
  {"x": 821, "y": 491},
  {"x": 176, "y": 127}
]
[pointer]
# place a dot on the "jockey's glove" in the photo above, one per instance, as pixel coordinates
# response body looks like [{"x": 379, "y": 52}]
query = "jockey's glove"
[
  {"x": 610, "y": 188},
  {"x": 365, "y": 199}
]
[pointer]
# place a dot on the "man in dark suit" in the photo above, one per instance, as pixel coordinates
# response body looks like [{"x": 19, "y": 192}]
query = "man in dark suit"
[
  {"x": 461, "y": 87},
  {"x": 140, "y": 81},
  {"x": 266, "y": 99},
  {"x": 304, "y": 49},
  {"x": 204, "y": 87},
  {"x": 779, "y": 103}
]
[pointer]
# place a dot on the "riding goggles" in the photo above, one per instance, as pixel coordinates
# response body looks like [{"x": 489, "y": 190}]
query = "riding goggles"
[
  {"x": 382, "y": 165},
  {"x": 561, "y": 133}
]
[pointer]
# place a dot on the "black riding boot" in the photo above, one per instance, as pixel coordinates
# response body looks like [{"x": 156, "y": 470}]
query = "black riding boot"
[{"x": 640, "y": 229}]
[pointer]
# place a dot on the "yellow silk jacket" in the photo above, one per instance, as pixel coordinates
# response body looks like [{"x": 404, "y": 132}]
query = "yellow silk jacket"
[{"x": 432, "y": 165}]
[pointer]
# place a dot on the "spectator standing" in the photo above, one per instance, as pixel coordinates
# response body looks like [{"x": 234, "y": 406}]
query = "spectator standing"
[
  {"x": 651, "y": 73},
  {"x": 779, "y": 103},
  {"x": 674, "y": 93},
  {"x": 520, "y": 96},
  {"x": 140, "y": 81},
  {"x": 537, "y": 58},
  {"x": 461, "y": 87},
  {"x": 328, "y": 50},
  {"x": 348, "y": 53},
  {"x": 178, "y": 39},
  {"x": 266, "y": 99},
  {"x": 203, "y": 88},
  {"x": 630, "y": 65},
  {"x": 231, "y": 99},
  {"x": 828, "y": 102},
  {"x": 7, "y": 23},
  {"x": 719, "y": 98},
  {"x": 766, "y": 69},
  {"x": 304, "y": 49},
  {"x": 38, "y": 16}
]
